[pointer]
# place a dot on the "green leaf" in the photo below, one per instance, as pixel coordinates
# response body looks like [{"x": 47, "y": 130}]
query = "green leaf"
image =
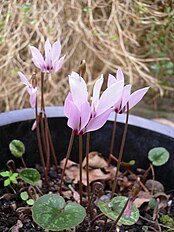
[
  {"x": 30, "y": 176},
  {"x": 158, "y": 156},
  {"x": 15, "y": 174},
  {"x": 7, "y": 182},
  {"x": 17, "y": 148},
  {"x": 132, "y": 162},
  {"x": 5, "y": 174},
  {"x": 30, "y": 202},
  {"x": 13, "y": 179},
  {"x": 24, "y": 196},
  {"x": 52, "y": 213},
  {"x": 114, "y": 207}
]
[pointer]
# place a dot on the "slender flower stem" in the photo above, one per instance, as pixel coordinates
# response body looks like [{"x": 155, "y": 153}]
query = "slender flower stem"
[
  {"x": 41, "y": 151},
  {"x": 80, "y": 166},
  {"x": 121, "y": 152},
  {"x": 119, "y": 216},
  {"x": 97, "y": 217},
  {"x": 42, "y": 92},
  {"x": 51, "y": 143},
  {"x": 104, "y": 225},
  {"x": 89, "y": 205},
  {"x": 42, "y": 123},
  {"x": 43, "y": 135},
  {"x": 40, "y": 144},
  {"x": 66, "y": 161},
  {"x": 153, "y": 177},
  {"x": 47, "y": 145},
  {"x": 87, "y": 166},
  {"x": 112, "y": 139},
  {"x": 23, "y": 162}
]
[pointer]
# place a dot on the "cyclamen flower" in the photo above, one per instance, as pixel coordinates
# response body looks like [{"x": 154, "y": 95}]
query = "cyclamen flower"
[
  {"x": 52, "y": 63},
  {"x": 128, "y": 210},
  {"x": 126, "y": 96},
  {"x": 83, "y": 117},
  {"x": 30, "y": 89}
]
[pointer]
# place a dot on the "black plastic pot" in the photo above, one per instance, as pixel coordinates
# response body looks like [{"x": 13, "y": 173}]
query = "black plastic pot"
[{"x": 142, "y": 135}]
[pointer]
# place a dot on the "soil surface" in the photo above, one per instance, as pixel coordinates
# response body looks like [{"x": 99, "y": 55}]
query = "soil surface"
[{"x": 15, "y": 214}]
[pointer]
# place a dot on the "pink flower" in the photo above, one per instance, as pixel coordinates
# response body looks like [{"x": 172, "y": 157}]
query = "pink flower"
[
  {"x": 83, "y": 117},
  {"x": 52, "y": 63},
  {"x": 126, "y": 97},
  {"x": 30, "y": 89},
  {"x": 128, "y": 210}
]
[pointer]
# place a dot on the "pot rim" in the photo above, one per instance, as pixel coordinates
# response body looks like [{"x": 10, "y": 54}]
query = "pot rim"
[{"x": 57, "y": 111}]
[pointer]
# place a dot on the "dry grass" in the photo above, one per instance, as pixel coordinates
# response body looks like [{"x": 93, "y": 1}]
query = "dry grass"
[{"x": 106, "y": 33}]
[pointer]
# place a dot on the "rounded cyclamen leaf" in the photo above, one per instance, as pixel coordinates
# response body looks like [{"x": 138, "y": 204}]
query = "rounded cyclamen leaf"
[
  {"x": 114, "y": 207},
  {"x": 52, "y": 213},
  {"x": 30, "y": 176},
  {"x": 17, "y": 148},
  {"x": 158, "y": 156},
  {"x": 30, "y": 202},
  {"x": 24, "y": 196}
]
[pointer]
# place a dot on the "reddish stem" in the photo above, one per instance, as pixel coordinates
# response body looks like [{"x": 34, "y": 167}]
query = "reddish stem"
[
  {"x": 23, "y": 162},
  {"x": 87, "y": 167},
  {"x": 112, "y": 139},
  {"x": 66, "y": 161},
  {"x": 80, "y": 167},
  {"x": 121, "y": 152},
  {"x": 51, "y": 144},
  {"x": 41, "y": 151}
]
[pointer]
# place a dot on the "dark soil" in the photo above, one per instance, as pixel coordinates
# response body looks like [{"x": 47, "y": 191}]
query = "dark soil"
[{"x": 14, "y": 210}]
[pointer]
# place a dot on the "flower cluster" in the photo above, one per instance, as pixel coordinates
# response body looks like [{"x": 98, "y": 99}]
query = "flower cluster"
[
  {"x": 31, "y": 89},
  {"x": 126, "y": 97},
  {"x": 51, "y": 64},
  {"x": 83, "y": 116}
]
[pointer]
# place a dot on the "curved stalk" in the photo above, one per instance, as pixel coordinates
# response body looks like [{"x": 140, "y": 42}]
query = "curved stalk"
[
  {"x": 121, "y": 152},
  {"x": 80, "y": 167},
  {"x": 112, "y": 139},
  {"x": 87, "y": 166},
  {"x": 66, "y": 161}
]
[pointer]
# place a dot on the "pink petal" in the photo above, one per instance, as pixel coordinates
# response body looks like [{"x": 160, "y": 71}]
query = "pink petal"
[
  {"x": 110, "y": 97},
  {"x": 74, "y": 117},
  {"x": 128, "y": 210},
  {"x": 48, "y": 59},
  {"x": 85, "y": 114},
  {"x": 98, "y": 121},
  {"x": 78, "y": 89},
  {"x": 56, "y": 50},
  {"x": 137, "y": 96},
  {"x": 34, "y": 126},
  {"x": 23, "y": 79},
  {"x": 37, "y": 57},
  {"x": 96, "y": 92},
  {"x": 33, "y": 98},
  {"x": 126, "y": 95},
  {"x": 111, "y": 80},
  {"x": 58, "y": 64},
  {"x": 66, "y": 105},
  {"x": 120, "y": 76}
]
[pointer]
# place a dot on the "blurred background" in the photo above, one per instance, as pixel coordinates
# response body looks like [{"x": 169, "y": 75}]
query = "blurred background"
[{"x": 136, "y": 35}]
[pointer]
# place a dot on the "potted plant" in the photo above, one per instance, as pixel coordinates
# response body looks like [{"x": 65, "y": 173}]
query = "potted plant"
[{"x": 113, "y": 201}]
